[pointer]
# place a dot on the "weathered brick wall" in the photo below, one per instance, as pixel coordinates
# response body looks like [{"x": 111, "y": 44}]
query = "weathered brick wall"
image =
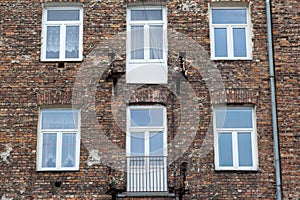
[
  {"x": 287, "y": 52},
  {"x": 27, "y": 84}
]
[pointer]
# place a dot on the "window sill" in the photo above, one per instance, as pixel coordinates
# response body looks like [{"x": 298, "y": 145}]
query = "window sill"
[
  {"x": 61, "y": 60},
  {"x": 236, "y": 169},
  {"x": 146, "y": 194},
  {"x": 57, "y": 170},
  {"x": 232, "y": 59}
]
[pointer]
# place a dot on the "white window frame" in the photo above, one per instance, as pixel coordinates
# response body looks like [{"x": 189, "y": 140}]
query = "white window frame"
[
  {"x": 229, "y": 28},
  {"x": 59, "y": 133},
  {"x": 62, "y": 25},
  {"x": 140, "y": 179},
  {"x": 146, "y": 70},
  {"x": 235, "y": 152},
  {"x": 146, "y": 129},
  {"x": 147, "y": 25}
]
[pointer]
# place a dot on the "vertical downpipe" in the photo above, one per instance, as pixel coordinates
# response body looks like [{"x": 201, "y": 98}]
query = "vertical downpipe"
[{"x": 273, "y": 100}]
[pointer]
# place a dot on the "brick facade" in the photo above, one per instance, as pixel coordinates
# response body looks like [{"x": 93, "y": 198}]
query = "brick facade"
[{"x": 97, "y": 85}]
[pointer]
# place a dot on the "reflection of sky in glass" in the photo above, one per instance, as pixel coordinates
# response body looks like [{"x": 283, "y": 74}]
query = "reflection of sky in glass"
[
  {"x": 63, "y": 15},
  {"x": 225, "y": 149},
  {"x": 239, "y": 42},
  {"x": 234, "y": 118},
  {"x": 221, "y": 42},
  {"x": 59, "y": 119},
  {"x": 137, "y": 144},
  {"x": 245, "y": 149},
  {"x": 146, "y": 117},
  {"x": 156, "y": 143},
  {"x": 229, "y": 16},
  {"x": 137, "y": 15}
]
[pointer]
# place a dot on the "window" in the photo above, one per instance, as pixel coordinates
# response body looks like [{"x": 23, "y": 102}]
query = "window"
[
  {"x": 230, "y": 33},
  {"x": 58, "y": 140},
  {"x": 235, "y": 138},
  {"x": 146, "y": 45},
  {"x": 146, "y": 145},
  {"x": 62, "y": 34}
]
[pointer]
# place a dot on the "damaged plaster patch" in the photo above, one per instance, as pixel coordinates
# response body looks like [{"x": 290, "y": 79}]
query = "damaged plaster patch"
[
  {"x": 94, "y": 158},
  {"x": 5, "y": 150},
  {"x": 5, "y": 198},
  {"x": 190, "y": 6}
]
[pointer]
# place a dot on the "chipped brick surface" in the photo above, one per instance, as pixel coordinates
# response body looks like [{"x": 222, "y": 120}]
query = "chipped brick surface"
[{"x": 28, "y": 84}]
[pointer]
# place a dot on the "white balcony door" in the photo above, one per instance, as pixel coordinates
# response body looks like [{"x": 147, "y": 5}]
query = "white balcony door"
[{"x": 146, "y": 150}]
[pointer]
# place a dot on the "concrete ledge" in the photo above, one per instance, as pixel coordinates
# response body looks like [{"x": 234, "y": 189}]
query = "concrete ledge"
[
  {"x": 228, "y": 4},
  {"x": 146, "y": 194}
]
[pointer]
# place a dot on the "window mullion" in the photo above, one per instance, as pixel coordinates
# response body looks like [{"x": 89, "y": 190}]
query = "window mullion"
[
  {"x": 62, "y": 41},
  {"x": 147, "y": 42},
  {"x": 254, "y": 149},
  {"x": 235, "y": 149},
  {"x": 147, "y": 143},
  {"x": 58, "y": 150},
  {"x": 230, "y": 41}
]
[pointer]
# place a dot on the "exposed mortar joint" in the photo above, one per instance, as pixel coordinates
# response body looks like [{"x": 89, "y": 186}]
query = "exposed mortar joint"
[{"x": 5, "y": 154}]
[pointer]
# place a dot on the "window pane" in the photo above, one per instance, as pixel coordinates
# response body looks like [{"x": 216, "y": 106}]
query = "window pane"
[
  {"x": 229, "y": 16},
  {"x": 68, "y": 150},
  {"x": 156, "y": 143},
  {"x": 53, "y": 42},
  {"x": 63, "y": 15},
  {"x": 239, "y": 42},
  {"x": 137, "y": 144},
  {"x": 234, "y": 118},
  {"x": 156, "y": 42},
  {"x": 137, "y": 42},
  {"x": 225, "y": 149},
  {"x": 220, "y": 42},
  {"x": 60, "y": 119},
  {"x": 49, "y": 150},
  {"x": 245, "y": 149},
  {"x": 146, "y": 117},
  {"x": 146, "y": 15},
  {"x": 72, "y": 41}
]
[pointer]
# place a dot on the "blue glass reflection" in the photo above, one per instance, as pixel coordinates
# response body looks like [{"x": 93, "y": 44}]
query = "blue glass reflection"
[
  {"x": 146, "y": 117},
  {"x": 221, "y": 42},
  {"x": 245, "y": 149},
  {"x": 225, "y": 149},
  {"x": 239, "y": 42},
  {"x": 229, "y": 16},
  {"x": 234, "y": 118}
]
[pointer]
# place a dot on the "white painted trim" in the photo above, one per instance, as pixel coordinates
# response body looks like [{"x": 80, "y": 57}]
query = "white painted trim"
[
  {"x": 234, "y": 132},
  {"x": 146, "y": 129},
  {"x": 59, "y": 133},
  {"x": 160, "y": 64},
  {"x": 62, "y": 25},
  {"x": 229, "y": 28}
]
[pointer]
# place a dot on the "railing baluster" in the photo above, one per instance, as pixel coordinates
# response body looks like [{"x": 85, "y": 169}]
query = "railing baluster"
[{"x": 146, "y": 173}]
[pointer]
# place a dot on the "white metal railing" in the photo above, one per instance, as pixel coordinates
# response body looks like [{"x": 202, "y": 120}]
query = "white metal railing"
[{"x": 146, "y": 173}]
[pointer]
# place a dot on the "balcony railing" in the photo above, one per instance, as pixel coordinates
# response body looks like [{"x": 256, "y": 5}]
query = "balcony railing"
[{"x": 147, "y": 174}]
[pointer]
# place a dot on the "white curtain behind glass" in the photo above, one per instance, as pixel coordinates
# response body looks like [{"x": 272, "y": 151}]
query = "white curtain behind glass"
[
  {"x": 137, "y": 42},
  {"x": 72, "y": 41},
  {"x": 49, "y": 150},
  {"x": 68, "y": 149},
  {"x": 53, "y": 41},
  {"x": 156, "y": 42}
]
